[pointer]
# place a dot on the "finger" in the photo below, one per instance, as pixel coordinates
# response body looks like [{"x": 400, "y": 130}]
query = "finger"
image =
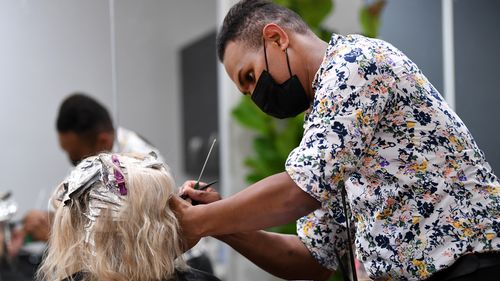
[
  {"x": 191, "y": 184},
  {"x": 202, "y": 196},
  {"x": 183, "y": 188},
  {"x": 180, "y": 191},
  {"x": 193, "y": 193},
  {"x": 177, "y": 204},
  {"x": 187, "y": 184}
]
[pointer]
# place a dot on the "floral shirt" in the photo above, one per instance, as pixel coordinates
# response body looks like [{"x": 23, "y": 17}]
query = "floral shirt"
[{"x": 420, "y": 191}]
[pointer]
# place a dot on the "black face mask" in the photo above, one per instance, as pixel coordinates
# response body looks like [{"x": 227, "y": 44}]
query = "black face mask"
[{"x": 280, "y": 100}]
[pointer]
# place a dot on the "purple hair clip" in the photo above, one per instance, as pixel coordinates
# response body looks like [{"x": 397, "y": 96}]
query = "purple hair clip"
[{"x": 120, "y": 180}]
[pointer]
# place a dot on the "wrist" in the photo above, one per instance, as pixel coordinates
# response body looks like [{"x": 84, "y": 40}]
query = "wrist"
[
  {"x": 234, "y": 237},
  {"x": 195, "y": 218},
  {"x": 223, "y": 238}
]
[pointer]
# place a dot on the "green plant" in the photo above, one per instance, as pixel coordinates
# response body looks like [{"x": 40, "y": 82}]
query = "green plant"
[
  {"x": 273, "y": 141},
  {"x": 313, "y": 12},
  {"x": 369, "y": 16}
]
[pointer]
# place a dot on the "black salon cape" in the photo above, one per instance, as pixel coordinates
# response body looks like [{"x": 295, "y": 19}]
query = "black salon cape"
[{"x": 189, "y": 274}]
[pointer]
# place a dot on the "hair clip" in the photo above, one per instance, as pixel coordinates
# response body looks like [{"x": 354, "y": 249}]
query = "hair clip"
[{"x": 120, "y": 180}]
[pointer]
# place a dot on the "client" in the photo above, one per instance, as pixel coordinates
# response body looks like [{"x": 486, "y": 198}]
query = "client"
[{"x": 112, "y": 221}]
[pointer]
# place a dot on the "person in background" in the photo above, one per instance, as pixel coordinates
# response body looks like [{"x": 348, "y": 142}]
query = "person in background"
[{"x": 85, "y": 128}]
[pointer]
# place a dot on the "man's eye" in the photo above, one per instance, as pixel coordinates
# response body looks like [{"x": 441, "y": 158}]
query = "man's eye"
[{"x": 250, "y": 78}]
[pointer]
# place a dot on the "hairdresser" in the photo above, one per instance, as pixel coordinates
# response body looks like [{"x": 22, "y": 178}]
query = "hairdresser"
[{"x": 382, "y": 154}]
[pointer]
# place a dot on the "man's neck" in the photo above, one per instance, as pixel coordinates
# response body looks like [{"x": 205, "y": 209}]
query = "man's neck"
[{"x": 314, "y": 50}]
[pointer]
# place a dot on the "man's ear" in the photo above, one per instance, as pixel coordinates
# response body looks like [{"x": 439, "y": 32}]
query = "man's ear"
[
  {"x": 277, "y": 35},
  {"x": 105, "y": 141}
]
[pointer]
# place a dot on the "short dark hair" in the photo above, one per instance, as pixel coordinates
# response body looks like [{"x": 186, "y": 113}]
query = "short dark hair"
[
  {"x": 246, "y": 19},
  {"x": 84, "y": 116}
]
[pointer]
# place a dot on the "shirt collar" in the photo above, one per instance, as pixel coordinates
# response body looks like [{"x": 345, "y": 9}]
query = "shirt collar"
[
  {"x": 324, "y": 63},
  {"x": 319, "y": 74}
]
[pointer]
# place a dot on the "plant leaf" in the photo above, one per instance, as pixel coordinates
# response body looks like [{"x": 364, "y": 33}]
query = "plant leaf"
[
  {"x": 250, "y": 116},
  {"x": 313, "y": 12},
  {"x": 369, "y": 16},
  {"x": 290, "y": 228}
]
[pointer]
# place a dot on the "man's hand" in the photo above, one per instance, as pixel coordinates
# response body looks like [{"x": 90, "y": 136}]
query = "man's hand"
[
  {"x": 275, "y": 200},
  {"x": 36, "y": 224},
  {"x": 16, "y": 242},
  {"x": 186, "y": 213},
  {"x": 205, "y": 196}
]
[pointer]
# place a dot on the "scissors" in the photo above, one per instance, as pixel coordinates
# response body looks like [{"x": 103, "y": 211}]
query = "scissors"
[
  {"x": 184, "y": 196},
  {"x": 207, "y": 185},
  {"x": 197, "y": 184}
]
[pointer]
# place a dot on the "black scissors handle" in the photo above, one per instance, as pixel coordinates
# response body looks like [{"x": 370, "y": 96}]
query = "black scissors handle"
[
  {"x": 194, "y": 203},
  {"x": 207, "y": 185},
  {"x": 201, "y": 188}
]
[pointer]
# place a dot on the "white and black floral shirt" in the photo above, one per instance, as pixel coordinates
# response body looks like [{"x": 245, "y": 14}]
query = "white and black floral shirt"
[{"x": 420, "y": 190}]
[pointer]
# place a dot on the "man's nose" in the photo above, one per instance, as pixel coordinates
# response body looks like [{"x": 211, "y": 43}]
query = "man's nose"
[{"x": 250, "y": 91}]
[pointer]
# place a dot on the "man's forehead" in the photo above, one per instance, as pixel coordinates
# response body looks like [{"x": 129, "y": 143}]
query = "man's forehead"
[
  {"x": 237, "y": 56},
  {"x": 231, "y": 54}
]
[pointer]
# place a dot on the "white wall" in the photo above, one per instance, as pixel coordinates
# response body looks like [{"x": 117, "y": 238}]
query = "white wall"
[
  {"x": 345, "y": 17},
  {"x": 53, "y": 47},
  {"x": 49, "y": 49},
  {"x": 149, "y": 36}
]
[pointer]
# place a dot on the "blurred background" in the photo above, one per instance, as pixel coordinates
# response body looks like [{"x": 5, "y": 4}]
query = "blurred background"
[{"x": 152, "y": 63}]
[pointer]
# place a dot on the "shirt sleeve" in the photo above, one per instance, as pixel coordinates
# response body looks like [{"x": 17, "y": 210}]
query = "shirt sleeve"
[
  {"x": 322, "y": 237},
  {"x": 349, "y": 103}
]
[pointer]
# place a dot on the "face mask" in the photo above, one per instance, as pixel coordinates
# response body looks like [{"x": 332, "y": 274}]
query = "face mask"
[{"x": 280, "y": 100}]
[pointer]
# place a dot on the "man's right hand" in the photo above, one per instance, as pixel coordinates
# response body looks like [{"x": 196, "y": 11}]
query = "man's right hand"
[
  {"x": 186, "y": 213},
  {"x": 205, "y": 196}
]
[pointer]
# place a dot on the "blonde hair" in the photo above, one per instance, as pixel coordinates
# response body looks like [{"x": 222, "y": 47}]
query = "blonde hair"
[{"x": 140, "y": 242}]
